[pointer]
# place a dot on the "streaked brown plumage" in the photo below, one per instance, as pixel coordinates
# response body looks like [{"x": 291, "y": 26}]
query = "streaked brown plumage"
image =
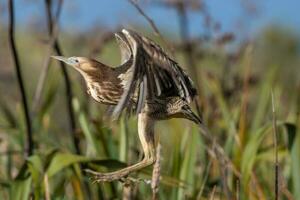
[{"x": 147, "y": 81}]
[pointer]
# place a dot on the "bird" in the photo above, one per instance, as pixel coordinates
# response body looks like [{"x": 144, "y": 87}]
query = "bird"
[{"x": 147, "y": 83}]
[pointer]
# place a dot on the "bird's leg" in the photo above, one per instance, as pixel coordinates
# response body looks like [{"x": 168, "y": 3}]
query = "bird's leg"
[{"x": 146, "y": 135}]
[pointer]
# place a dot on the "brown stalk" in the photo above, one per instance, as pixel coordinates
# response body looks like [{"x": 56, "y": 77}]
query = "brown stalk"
[
  {"x": 29, "y": 138},
  {"x": 256, "y": 187},
  {"x": 237, "y": 189},
  {"x": 152, "y": 24},
  {"x": 212, "y": 194},
  {"x": 276, "y": 164},
  {"x": 46, "y": 62}
]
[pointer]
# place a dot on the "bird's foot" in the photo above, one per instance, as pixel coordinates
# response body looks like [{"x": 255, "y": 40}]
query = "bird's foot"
[
  {"x": 108, "y": 177},
  {"x": 121, "y": 176}
]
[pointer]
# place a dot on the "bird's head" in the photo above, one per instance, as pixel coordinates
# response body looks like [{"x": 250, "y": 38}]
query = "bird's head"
[
  {"x": 179, "y": 108},
  {"x": 81, "y": 64}
]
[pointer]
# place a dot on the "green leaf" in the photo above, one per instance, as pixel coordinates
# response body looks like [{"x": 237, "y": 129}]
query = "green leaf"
[
  {"x": 188, "y": 163},
  {"x": 92, "y": 144},
  {"x": 226, "y": 111},
  {"x": 262, "y": 102},
  {"x": 250, "y": 152},
  {"x": 63, "y": 160},
  {"x": 35, "y": 167},
  {"x": 295, "y": 159},
  {"x": 20, "y": 189},
  {"x": 49, "y": 98}
]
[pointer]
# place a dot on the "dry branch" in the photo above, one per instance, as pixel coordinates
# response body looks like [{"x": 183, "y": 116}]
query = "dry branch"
[{"x": 153, "y": 26}]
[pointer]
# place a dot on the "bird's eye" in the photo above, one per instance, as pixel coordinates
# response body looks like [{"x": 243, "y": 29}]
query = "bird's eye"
[{"x": 77, "y": 61}]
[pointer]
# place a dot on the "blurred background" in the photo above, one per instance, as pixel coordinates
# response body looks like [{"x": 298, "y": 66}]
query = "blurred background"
[{"x": 237, "y": 51}]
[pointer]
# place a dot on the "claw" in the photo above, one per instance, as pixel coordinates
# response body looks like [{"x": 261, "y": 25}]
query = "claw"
[
  {"x": 123, "y": 177},
  {"x": 107, "y": 177}
]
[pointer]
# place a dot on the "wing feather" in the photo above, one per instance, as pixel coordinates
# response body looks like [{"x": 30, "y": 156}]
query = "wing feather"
[
  {"x": 129, "y": 88},
  {"x": 154, "y": 75},
  {"x": 142, "y": 95}
]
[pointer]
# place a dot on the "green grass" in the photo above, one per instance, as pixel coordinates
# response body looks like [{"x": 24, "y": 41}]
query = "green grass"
[{"x": 188, "y": 171}]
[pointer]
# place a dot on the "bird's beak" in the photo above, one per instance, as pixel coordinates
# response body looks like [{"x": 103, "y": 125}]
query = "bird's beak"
[
  {"x": 63, "y": 59},
  {"x": 188, "y": 113}
]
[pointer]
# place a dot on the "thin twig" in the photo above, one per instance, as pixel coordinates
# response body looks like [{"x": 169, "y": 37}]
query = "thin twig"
[
  {"x": 212, "y": 195},
  {"x": 256, "y": 187},
  {"x": 43, "y": 76},
  {"x": 223, "y": 170},
  {"x": 29, "y": 144},
  {"x": 46, "y": 63},
  {"x": 275, "y": 148},
  {"x": 237, "y": 189},
  {"x": 152, "y": 24},
  {"x": 69, "y": 94},
  {"x": 216, "y": 149},
  {"x": 204, "y": 180}
]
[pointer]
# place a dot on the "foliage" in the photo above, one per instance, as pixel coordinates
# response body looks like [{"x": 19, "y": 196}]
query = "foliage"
[{"x": 235, "y": 99}]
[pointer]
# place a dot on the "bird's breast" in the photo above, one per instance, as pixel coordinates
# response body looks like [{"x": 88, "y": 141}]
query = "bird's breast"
[{"x": 105, "y": 92}]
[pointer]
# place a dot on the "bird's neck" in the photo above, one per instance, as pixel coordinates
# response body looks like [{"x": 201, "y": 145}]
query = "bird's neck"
[
  {"x": 103, "y": 85},
  {"x": 97, "y": 73},
  {"x": 101, "y": 76}
]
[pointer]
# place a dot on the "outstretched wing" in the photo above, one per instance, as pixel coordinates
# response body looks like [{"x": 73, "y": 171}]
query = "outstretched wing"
[{"x": 152, "y": 74}]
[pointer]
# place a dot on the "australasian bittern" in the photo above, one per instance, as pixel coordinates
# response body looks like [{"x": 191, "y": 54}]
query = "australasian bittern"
[{"x": 147, "y": 81}]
